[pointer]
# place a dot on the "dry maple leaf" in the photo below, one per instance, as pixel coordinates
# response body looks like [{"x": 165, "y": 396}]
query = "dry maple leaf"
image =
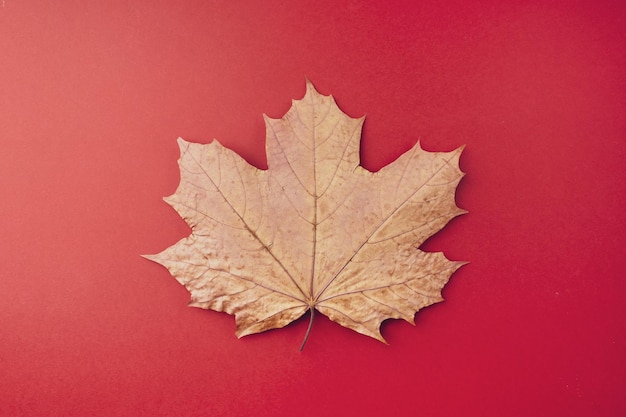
[{"x": 315, "y": 231}]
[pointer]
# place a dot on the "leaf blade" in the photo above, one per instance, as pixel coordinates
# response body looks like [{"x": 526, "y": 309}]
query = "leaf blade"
[{"x": 315, "y": 230}]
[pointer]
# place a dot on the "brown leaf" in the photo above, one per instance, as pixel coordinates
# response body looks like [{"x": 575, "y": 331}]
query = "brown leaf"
[{"x": 315, "y": 231}]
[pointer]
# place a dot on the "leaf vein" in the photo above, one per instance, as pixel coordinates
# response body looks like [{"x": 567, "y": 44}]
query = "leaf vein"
[
  {"x": 376, "y": 229},
  {"x": 266, "y": 247}
]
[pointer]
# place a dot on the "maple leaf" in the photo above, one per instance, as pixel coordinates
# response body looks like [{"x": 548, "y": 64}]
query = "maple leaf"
[{"x": 315, "y": 231}]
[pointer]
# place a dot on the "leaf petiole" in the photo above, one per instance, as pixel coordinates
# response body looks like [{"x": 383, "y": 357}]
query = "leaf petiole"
[{"x": 308, "y": 330}]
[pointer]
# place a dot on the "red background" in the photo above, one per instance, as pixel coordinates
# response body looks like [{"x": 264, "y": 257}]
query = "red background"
[{"x": 93, "y": 95}]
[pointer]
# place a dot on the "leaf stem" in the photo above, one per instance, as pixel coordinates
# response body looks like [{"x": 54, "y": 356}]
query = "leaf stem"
[{"x": 308, "y": 330}]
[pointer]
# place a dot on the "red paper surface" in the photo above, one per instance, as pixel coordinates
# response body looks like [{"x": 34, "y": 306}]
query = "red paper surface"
[{"x": 93, "y": 95}]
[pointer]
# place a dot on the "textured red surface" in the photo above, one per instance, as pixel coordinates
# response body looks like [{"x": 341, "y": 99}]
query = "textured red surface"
[{"x": 94, "y": 94}]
